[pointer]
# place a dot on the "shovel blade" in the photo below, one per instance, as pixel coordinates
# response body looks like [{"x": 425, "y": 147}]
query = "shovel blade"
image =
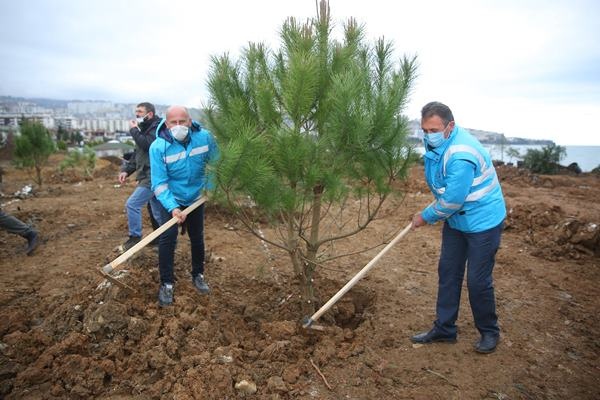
[
  {"x": 115, "y": 281},
  {"x": 308, "y": 323}
]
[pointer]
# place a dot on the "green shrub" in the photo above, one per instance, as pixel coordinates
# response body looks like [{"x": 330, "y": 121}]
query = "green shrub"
[
  {"x": 544, "y": 161},
  {"x": 86, "y": 160},
  {"x": 61, "y": 145},
  {"x": 33, "y": 148}
]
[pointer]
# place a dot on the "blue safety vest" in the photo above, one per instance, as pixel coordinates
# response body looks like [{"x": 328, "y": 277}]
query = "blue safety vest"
[
  {"x": 178, "y": 171},
  {"x": 461, "y": 176}
]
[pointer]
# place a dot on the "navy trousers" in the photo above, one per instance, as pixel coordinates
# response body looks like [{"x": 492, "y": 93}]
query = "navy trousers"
[
  {"x": 168, "y": 241},
  {"x": 476, "y": 252}
]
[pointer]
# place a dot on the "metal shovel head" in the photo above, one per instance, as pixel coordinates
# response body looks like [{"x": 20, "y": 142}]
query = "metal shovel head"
[
  {"x": 117, "y": 282},
  {"x": 308, "y": 323}
]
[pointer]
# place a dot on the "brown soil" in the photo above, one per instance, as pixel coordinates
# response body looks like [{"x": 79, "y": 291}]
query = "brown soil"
[{"x": 63, "y": 334}]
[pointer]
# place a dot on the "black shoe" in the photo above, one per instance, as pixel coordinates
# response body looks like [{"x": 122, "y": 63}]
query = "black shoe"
[
  {"x": 165, "y": 294},
  {"x": 200, "y": 284},
  {"x": 432, "y": 337},
  {"x": 32, "y": 242},
  {"x": 132, "y": 241},
  {"x": 487, "y": 344}
]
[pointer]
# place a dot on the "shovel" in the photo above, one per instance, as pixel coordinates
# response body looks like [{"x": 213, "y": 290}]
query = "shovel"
[
  {"x": 111, "y": 267},
  {"x": 308, "y": 322}
]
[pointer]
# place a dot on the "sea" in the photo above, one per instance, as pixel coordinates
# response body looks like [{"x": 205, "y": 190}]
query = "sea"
[{"x": 587, "y": 157}]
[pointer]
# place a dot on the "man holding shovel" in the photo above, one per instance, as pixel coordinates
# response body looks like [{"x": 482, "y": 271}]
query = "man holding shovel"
[
  {"x": 179, "y": 157},
  {"x": 460, "y": 174}
]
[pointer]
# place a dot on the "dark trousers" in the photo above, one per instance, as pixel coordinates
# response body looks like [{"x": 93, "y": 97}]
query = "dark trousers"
[
  {"x": 476, "y": 252},
  {"x": 168, "y": 241},
  {"x": 153, "y": 220},
  {"x": 13, "y": 225}
]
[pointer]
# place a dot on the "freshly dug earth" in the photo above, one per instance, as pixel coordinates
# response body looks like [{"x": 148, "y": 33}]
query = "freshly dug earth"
[{"x": 64, "y": 333}]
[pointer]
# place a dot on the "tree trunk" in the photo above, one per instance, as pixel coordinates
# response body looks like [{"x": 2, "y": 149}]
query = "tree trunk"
[
  {"x": 299, "y": 265},
  {"x": 308, "y": 290},
  {"x": 310, "y": 263},
  {"x": 38, "y": 173},
  {"x": 304, "y": 277},
  {"x": 292, "y": 245}
]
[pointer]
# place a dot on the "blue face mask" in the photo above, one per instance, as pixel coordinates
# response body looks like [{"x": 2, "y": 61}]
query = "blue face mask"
[{"x": 434, "y": 139}]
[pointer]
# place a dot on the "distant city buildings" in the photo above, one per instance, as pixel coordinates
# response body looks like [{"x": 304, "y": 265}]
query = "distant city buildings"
[
  {"x": 94, "y": 120},
  {"x": 12, "y": 120},
  {"x": 104, "y": 120},
  {"x": 84, "y": 116},
  {"x": 89, "y": 107}
]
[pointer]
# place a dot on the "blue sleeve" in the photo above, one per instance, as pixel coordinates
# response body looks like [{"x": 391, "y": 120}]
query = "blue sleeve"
[
  {"x": 160, "y": 178},
  {"x": 460, "y": 175}
]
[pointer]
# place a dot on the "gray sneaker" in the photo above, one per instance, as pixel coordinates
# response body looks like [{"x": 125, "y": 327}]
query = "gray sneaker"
[
  {"x": 165, "y": 294},
  {"x": 200, "y": 284}
]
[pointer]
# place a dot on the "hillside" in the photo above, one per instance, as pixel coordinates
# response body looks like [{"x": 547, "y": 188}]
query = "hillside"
[{"x": 66, "y": 334}]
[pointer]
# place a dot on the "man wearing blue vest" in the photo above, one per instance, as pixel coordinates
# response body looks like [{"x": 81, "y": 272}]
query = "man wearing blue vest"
[
  {"x": 178, "y": 164},
  {"x": 469, "y": 201}
]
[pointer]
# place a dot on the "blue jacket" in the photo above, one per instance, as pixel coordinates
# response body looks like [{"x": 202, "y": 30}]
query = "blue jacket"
[
  {"x": 178, "y": 170},
  {"x": 461, "y": 176}
]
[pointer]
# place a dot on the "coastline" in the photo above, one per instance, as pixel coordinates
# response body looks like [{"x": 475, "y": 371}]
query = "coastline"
[{"x": 586, "y": 157}]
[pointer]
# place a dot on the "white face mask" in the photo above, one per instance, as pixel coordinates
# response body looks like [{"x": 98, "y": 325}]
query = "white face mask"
[
  {"x": 180, "y": 132},
  {"x": 141, "y": 119}
]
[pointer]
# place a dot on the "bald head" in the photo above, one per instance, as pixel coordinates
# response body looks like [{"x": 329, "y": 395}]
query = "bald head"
[{"x": 178, "y": 115}]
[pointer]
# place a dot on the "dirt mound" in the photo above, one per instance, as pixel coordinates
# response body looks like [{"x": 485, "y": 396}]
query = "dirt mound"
[
  {"x": 65, "y": 336},
  {"x": 105, "y": 168},
  {"x": 523, "y": 177},
  {"x": 553, "y": 234},
  {"x": 516, "y": 176},
  {"x": 109, "y": 339}
]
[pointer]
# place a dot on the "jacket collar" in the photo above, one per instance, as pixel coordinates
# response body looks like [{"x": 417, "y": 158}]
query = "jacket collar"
[{"x": 150, "y": 125}]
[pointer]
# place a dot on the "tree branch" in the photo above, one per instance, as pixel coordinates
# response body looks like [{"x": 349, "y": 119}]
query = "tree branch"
[{"x": 360, "y": 226}]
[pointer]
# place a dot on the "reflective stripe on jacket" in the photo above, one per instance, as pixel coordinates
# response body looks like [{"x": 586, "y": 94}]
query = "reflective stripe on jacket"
[
  {"x": 461, "y": 176},
  {"x": 178, "y": 170}
]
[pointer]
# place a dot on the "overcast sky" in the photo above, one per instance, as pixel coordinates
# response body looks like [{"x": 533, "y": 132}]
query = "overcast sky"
[{"x": 525, "y": 68}]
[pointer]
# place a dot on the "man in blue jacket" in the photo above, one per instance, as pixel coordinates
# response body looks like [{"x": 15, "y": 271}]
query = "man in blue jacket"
[
  {"x": 179, "y": 157},
  {"x": 468, "y": 198}
]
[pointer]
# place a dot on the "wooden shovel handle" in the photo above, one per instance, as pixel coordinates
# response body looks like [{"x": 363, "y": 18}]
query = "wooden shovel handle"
[
  {"x": 358, "y": 276},
  {"x": 110, "y": 267}
]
